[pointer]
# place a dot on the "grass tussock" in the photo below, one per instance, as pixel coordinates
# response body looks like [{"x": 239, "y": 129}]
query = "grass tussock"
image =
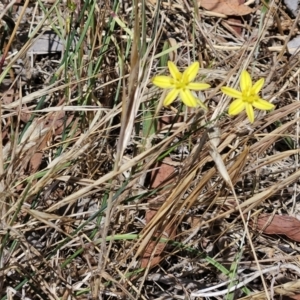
[{"x": 105, "y": 193}]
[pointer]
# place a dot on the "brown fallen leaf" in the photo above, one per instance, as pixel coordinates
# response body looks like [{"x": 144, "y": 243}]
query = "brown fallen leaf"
[
  {"x": 56, "y": 121},
  {"x": 169, "y": 232},
  {"x": 236, "y": 21},
  {"x": 286, "y": 225},
  {"x": 158, "y": 176},
  {"x": 161, "y": 175},
  {"x": 226, "y": 7},
  {"x": 9, "y": 96}
]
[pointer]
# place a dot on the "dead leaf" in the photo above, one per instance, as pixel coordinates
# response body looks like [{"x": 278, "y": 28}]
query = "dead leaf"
[
  {"x": 226, "y": 7},
  {"x": 235, "y": 22},
  {"x": 35, "y": 162},
  {"x": 158, "y": 176},
  {"x": 9, "y": 96},
  {"x": 161, "y": 175},
  {"x": 286, "y": 225},
  {"x": 154, "y": 245},
  {"x": 56, "y": 122}
]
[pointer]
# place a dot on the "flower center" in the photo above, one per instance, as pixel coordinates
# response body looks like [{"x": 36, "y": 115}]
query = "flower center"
[
  {"x": 180, "y": 84},
  {"x": 249, "y": 97}
]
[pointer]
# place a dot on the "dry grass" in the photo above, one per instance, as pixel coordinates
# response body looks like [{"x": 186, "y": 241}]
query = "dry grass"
[{"x": 81, "y": 134}]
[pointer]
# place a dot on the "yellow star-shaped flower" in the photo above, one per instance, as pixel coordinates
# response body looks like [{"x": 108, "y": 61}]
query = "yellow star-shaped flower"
[
  {"x": 247, "y": 98},
  {"x": 181, "y": 85}
]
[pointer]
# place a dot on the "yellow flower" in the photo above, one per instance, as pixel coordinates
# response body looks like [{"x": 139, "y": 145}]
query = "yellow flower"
[
  {"x": 181, "y": 85},
  {"x": 248, "y": 97}
]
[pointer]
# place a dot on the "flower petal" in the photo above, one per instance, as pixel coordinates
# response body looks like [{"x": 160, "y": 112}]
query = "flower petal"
[
  {"x": 245, "y": 81},
  {"x": 174, "y": 71},
  {"x": 250, "y": 112},
  {"x": 258, "y": 86},
  {"x": 231, "y": 92},
  {"x": 263, "y": 104},
  {"x": 197, "y": 86},
  {"x": 172, "y": 95},
  {"x": 236, "y": 107},
  {"x": 191, "y": 72},
  {"x": 164, "y": 82},
  {"x": 188, "y": 99}
]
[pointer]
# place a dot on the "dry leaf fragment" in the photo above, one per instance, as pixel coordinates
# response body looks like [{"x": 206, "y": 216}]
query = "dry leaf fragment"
[
  {"x": 284, "y": 224},
  {"x": 236, "y": 20},
  {"x": 158, "y": 247},
  {"x": 158, "y": 176},
  {"x": 56, "y": 123},
  {"x": 226, "y": 7}
]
